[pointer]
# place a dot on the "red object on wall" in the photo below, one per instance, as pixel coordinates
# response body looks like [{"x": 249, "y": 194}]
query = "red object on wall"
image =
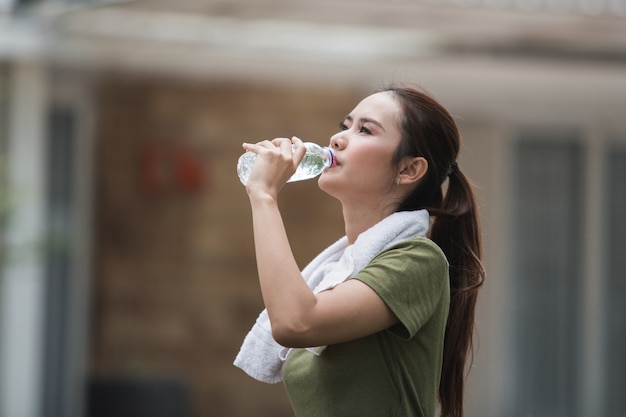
[
  {"x": 169, "y": 168},
  {"x": 188, "y": 170}
]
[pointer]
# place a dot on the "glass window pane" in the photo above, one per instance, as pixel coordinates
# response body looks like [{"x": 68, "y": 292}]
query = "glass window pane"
[
  {"x": 548, "y": 227},
  {"x": 59, "y": 274}
]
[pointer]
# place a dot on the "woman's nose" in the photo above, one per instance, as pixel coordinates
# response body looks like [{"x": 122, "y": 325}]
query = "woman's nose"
[{"x": 337, "y": 141}]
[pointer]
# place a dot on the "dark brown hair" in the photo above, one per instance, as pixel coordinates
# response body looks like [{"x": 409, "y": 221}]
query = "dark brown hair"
[{"x": 429, "y": 131}]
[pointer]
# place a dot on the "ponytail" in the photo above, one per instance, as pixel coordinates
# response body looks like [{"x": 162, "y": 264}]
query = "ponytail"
[{"x": 456, "y": 231}]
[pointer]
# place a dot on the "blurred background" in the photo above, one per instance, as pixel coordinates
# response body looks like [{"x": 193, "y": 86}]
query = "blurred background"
[{"x": 127, "y": 268}]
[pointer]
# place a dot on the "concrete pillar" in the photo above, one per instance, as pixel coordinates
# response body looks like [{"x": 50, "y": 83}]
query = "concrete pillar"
[{"x": 22, "y": 274}]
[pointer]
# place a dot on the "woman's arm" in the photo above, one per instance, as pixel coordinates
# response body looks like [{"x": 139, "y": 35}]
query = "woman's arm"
[{"x": 300, "y": 318}]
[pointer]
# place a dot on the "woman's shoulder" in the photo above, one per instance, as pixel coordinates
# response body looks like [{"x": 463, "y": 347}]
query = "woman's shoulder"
[
  {"x": 418, "y": 247},
  {"x": 416, "y": 257}
]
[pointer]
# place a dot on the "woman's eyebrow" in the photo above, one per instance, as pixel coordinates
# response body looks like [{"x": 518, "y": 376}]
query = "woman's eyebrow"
[{"x": 366, "y": 120}]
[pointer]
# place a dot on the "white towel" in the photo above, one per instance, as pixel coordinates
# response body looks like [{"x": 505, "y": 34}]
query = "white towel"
[{"x": 260, "y": 356}]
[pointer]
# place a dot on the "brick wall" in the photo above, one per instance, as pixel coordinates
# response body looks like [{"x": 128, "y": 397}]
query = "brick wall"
[{"x": 175, "y": 286}]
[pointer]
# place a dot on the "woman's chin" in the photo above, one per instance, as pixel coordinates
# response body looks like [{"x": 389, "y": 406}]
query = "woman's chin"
[{"x": 326, "y": 182}]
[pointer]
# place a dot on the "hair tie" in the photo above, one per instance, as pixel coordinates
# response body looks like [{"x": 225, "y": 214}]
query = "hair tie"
[{"x": 454, "y": 167}]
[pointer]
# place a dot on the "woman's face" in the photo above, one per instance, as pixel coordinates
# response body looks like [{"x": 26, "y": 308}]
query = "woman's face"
[{"x": 363, "y": 150}]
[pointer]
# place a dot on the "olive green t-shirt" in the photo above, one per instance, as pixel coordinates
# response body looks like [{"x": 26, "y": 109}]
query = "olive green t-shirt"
[{"x": 393, "y": 373}]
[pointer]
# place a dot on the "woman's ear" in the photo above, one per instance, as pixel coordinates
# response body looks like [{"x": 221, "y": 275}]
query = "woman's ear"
[{"x": 412, "y": 170}]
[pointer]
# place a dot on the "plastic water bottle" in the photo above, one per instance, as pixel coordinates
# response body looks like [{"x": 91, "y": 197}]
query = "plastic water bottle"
[{"x": 316, "y": 159}]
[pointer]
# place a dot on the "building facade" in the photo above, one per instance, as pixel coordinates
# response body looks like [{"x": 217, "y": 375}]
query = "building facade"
[{"x": 127, "y": 266}]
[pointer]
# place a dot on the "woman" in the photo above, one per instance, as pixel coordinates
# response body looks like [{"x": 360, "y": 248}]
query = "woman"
[{"x": 380, "y": 323}]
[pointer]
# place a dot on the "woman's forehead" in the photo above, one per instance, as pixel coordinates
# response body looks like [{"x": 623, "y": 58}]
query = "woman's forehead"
[{"x": 379, "y": 106}]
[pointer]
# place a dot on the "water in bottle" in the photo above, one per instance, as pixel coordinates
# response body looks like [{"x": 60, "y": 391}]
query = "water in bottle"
[{"x": 316, "y": 159}]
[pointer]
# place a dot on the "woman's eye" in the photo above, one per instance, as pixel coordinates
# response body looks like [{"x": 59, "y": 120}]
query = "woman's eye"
[{"x": 362, "y": 129}]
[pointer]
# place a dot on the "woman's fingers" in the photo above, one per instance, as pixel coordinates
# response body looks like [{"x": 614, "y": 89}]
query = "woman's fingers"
[{"x": 292, "y": 149}]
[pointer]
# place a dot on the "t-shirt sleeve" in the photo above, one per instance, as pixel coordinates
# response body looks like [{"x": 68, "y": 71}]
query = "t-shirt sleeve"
[{"x": 412, "y": 279}]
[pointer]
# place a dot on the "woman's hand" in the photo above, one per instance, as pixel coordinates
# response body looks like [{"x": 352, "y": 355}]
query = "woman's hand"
[{"x": 276, "y": 162}]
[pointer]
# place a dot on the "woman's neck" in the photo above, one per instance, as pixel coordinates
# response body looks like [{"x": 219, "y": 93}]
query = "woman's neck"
[{"x": 358, "y": 219}]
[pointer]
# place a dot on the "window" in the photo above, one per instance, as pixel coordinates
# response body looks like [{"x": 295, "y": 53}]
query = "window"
[
  {"x": 547, "y": 224},
  {"x": 59, "y": 271}
]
